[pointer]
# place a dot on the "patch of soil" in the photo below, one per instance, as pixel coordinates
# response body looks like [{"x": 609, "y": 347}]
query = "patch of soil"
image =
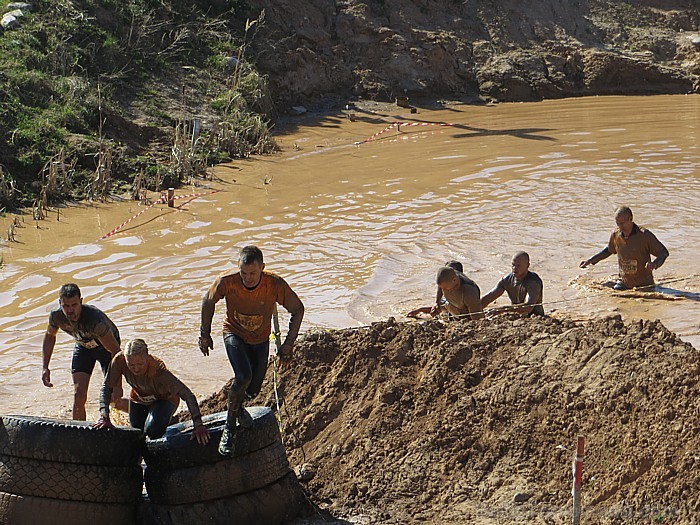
[
  {"x": 475, "y": 421},
  {"x": 508, "y": 50}
]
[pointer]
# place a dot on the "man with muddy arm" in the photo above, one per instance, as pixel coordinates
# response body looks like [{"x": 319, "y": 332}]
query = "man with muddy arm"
[
  {"x": 439, "y": 299},
  {"x": 634, "y": 247},
  {"x": 251, "y": 295},
  {"x": 96, "y": 340},
  {"x": 524, "y": 289},
  {"x": 462, "y": 294}
]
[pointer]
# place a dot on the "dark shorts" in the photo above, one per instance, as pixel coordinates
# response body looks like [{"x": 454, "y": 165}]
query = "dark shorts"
[{"x": 84, "y": 359}]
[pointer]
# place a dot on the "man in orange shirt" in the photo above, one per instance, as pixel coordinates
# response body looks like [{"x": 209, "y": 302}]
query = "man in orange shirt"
[
  {"x": 251, "y": 294},
  {"x": 634, "y": 247}
]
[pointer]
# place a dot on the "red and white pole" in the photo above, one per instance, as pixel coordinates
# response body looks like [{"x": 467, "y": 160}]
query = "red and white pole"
[{"x": 578, "y": 476}]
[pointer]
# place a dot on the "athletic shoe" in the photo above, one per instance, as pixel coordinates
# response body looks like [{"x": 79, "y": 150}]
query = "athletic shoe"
[{"x": 227, "y": 445}]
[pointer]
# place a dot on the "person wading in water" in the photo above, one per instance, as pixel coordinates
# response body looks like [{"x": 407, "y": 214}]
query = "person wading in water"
[{"x": 634, "y": 247}]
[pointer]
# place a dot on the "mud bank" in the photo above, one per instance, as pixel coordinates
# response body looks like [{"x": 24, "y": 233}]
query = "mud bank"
[
  {"x": 507, "y": 50},
  {"x": 474, "y": 422}
]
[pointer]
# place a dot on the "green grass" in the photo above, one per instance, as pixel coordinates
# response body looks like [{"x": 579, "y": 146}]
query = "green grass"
[{"x": 70, "y": 63}]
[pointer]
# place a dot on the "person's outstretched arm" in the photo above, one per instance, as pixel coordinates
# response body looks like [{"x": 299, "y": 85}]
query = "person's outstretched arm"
[
  {"x": 602, "y": 254},
  {"x": 294, "y": 306},
  {"x": 491, "y": 296},
  {"x": 199, "y": 432},
  {"x": 659, "y": 251},
  {"x": 113, "y": 377},
  {"x": 422, "y": 310}
]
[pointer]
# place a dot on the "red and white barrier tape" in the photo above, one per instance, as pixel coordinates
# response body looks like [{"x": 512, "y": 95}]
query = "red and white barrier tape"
[
  {"x": 192, "y": 195},
  {"x": 161, "y": 200},
  {"x": 398, "y": 125}
]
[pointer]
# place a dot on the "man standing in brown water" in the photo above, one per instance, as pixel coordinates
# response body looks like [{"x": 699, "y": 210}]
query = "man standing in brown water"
[
  {"x": 462, "y": 294},
  {"x": 439, "y": 301},
  {"x": 524, "y": 289},
  {"x": 96, "y": 339},
  {"x": 634, "y": 247},
  {"x": 251, "y": 295}
]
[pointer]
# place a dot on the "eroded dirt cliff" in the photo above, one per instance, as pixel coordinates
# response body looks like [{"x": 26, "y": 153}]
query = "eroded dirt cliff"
[{"x": 507, "y": 50}]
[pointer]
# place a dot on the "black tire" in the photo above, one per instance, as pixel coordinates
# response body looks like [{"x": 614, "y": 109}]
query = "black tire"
[
  {"x": 176, "y": 450},
  {"x": 217, "y": 480},
  {"x": 69, "y": 481},
  {"x": 273, "y": 504},
  {"x": 29, "y": 510},
  {"x": 69, "y": 441}
]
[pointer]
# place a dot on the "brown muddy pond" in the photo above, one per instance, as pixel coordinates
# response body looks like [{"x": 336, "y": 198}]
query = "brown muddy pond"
[{"x": 359, "y": 230}]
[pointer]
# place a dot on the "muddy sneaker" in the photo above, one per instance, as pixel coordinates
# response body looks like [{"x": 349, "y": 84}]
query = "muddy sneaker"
[
  {"x": 227, "y": 445},
  {"x": 244, "y": 418},
  {"x": 620, "y": 286}
]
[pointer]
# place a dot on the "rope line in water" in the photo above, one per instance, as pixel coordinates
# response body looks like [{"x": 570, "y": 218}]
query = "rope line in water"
[
  {"x": 115, "y": 230},
  {"x": 160, "y": 200},
  {"x": 398, "y": 125}
]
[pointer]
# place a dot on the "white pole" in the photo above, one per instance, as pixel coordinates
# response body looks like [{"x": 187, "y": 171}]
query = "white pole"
[{"x": 578, "y": 476}]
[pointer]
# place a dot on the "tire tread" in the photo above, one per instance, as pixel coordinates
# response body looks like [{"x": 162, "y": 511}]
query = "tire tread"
[
  {"x": 69, "y": 481},
  {"x": 217, "y": 480}
]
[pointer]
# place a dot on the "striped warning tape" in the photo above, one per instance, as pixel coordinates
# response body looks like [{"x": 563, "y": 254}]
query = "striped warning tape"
[
  {"x": 193, "y": 195},
  {"x": 115, "y": 230},
  {"x": 369, "y": 139},
  {"x": 398, "y": 125},
  {"x": 160, "y": 200}
]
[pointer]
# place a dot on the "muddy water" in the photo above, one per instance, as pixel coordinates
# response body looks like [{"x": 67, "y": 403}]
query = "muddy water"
[{"x": 358, "y": 230}]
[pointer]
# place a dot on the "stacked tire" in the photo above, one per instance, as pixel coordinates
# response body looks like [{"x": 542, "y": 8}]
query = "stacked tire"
[
  {"x": 190, "y": 483},
  {"x": 64, "y": 472}
]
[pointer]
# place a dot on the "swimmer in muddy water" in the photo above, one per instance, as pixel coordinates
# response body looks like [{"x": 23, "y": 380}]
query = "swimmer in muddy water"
[
  {"x": 96, "y": 340},
  {"x": 524, "y": 289},
  {"x": 439, "y": 299},
  {"x": 155, "y": 393},
  {"x": 634, "y": 247},
  {"x": 462, "y": 294},
  {"x": 251, "y": 294}
]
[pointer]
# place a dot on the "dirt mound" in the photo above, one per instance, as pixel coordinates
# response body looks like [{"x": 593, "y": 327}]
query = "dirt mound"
[
  {"x": 507, "y": 50},
  {"x": 474, "y": 422}
]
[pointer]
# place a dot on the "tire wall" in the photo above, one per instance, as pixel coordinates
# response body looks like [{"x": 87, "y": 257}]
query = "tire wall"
[
  {"x": 190, "y": 483},
  {"x": 56, "y": 472}
]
